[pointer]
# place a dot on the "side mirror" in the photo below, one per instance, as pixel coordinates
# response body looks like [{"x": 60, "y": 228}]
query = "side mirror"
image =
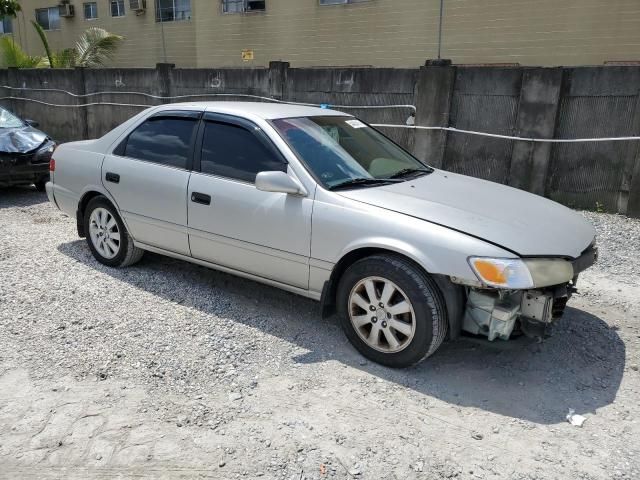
[
  {"x": 32, "y": 123},
  {"x": 279, "y": 182}
]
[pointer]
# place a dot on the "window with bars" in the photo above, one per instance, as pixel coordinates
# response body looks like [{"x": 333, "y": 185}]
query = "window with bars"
[
  {"x": 240, "y": 6},
  {"x": 90, "y": 10},
  {"x": 172, "y": 10},
  {"x": 48, "y": 18},
  {"x": 117, "y": 8}
]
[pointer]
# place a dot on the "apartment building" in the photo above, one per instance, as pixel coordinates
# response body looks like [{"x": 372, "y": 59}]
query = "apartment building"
[{"x": 389, "y": 33}]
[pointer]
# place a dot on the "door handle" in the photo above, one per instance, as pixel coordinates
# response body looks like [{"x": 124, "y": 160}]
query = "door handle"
[
  {"x": 112, "y": 177},
  {"x": 201, "y": 198}
]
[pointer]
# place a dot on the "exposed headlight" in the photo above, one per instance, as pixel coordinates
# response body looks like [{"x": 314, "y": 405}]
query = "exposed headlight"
[{"x": 514, "y": 273}]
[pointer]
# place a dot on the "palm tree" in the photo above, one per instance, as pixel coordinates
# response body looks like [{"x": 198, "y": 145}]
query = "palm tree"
[
  {"x": 9, "y": 8},
  {"x": 11, "y": 55},
  {"x": 94, "y": 47},
  {"x": 53, "y": 59}
]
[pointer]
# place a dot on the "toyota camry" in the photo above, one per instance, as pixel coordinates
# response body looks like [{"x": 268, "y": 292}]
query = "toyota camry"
[{"x": 319, "y": 203}]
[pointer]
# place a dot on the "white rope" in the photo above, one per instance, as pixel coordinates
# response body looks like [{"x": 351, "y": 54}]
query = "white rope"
[
  {"x": 509, "y": 137},
  {"x": 381, "y": 125},
  {"x": 78, "y": 105},
  {"x": 201, "y": 95}
]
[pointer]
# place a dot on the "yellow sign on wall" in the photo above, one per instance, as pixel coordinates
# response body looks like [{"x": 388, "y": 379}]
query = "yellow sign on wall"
[{"x": 247, "y": 55}]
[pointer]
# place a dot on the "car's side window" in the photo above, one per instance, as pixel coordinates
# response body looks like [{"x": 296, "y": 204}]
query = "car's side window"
[
  {"x": 232, "y": 151},
  {"x": 163, "y": 140}
]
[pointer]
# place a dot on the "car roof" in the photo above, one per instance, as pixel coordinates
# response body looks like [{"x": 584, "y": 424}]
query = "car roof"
[{"x": 264, "y": 110}]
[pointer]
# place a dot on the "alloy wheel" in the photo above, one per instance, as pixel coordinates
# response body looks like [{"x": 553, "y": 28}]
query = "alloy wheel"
[
  {"x": 382, "y": 314},
  {"x": 104, "y": 232}
]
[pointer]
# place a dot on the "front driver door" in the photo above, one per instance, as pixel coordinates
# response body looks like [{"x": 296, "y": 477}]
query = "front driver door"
[
  {"x": 233, "y": 224},
  {"x": 148, "y": 174}
]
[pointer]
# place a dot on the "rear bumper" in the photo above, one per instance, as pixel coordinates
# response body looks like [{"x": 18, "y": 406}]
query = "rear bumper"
[{"x": 49, "y": 188}]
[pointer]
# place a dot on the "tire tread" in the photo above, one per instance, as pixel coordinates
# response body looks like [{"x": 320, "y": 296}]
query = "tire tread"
[
  {"x": 132, "y": 254},
  {"x": 427, "y": 289}
]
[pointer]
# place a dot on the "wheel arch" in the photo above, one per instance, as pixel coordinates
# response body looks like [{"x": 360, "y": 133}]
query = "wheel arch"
[
  {"x": 454, "y": 295},
  {"x": 89, "y": 194}
]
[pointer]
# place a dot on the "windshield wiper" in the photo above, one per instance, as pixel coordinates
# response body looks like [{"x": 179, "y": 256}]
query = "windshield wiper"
[
  {"x": 405, "y": 172},
  {"x": 354, "y": 182}
]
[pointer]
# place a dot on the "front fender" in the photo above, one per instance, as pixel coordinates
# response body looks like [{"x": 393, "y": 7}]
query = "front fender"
[{"x": 393, "y": 245}]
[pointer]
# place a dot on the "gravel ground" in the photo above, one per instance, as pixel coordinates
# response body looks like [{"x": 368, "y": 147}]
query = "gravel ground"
[{"x": 171, "y": 370}]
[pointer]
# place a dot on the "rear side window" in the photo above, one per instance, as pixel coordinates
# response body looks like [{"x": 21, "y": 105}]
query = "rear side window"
[
  {"x": 234, "y": 152},
  {"x": 163, "y": 140}
]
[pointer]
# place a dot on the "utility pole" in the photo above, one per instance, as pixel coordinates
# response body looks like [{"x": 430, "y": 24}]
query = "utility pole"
[
  {"x": 440, "y": 30},
  {"x": 164, "y": 45}
]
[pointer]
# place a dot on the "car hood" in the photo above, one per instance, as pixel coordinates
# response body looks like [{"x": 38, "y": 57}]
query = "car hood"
[
  {"x": 20, "y": 140},
  {"x": 526, "y": 224}
]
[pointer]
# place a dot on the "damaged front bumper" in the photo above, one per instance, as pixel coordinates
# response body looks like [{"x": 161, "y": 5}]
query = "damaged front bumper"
[
  {"x": 22, "y": 168},
  {"x": 498, "y": 312}
]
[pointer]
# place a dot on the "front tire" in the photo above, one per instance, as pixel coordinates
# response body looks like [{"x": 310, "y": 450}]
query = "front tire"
[
  {"x": 107, "y": 237},
  {"x": 391, "y": 310}
]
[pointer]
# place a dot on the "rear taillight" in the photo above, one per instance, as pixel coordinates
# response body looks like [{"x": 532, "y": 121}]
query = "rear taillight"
[{"x": 52, "y": 165}]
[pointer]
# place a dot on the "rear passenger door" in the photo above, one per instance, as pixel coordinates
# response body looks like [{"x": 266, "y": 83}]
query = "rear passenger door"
[
  {"x": 148, "y": 174},
  {"x": 231, "y": 222}
]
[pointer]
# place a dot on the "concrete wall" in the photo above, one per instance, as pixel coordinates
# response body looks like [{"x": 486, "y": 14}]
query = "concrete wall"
[
  {"x": 381, "y": 33},
  {"x": 527, "y": 102}
]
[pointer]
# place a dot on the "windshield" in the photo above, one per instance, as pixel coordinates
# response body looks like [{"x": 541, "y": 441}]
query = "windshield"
[
  {"x": 9, "y": 120},
  {"x": 339, "y": 150}
]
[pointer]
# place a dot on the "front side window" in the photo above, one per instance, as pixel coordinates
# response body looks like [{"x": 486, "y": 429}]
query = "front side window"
[
  {"x": 6, "y": 26},
  {"x": 235, "y": 152},
  {"x": 239, "y": 6},
  {"x": 162, "y": 140},
  {"x": 117, "y": 8},
  {"x": 339, "y": 149},
  {"x": 90, "y": 10},
  {"x": 171, "y": 10},
  {"x": 48, "y": 18}
]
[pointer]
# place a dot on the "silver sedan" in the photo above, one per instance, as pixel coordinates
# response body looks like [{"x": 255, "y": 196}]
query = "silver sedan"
[{"x": 318, "y": 203}]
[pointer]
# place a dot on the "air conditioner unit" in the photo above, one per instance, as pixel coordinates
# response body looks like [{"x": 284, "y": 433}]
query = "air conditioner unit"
[
  {"x": 66, "y": 10},
  {"x": 138, "y": 6}
]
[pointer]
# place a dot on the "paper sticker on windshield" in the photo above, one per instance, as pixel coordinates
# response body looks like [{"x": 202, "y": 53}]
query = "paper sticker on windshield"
[{"x": 356, "y": 123}]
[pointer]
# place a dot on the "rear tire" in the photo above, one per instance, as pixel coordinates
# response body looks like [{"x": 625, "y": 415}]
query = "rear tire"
[
  {"x": 107, "y": 237},
  {"x": 391, "y": 310}
]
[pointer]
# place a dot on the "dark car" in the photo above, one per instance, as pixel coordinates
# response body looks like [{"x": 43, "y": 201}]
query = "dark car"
[{"x": 25, "y": 152}]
